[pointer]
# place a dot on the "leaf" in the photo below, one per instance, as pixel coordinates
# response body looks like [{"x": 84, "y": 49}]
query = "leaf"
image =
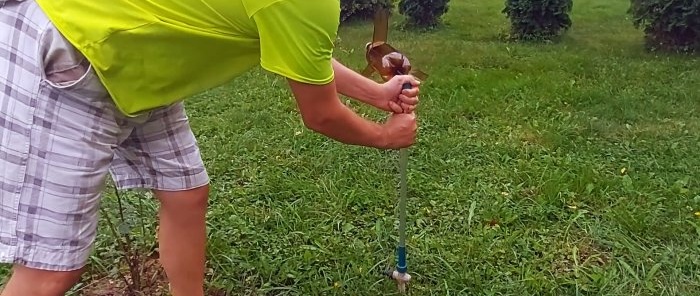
[
  {"x": 629, "y": 269},
  {"x": 471, "y": 214},
  {"x": 347, "y": 227},
  {"x": 379, "y": 228},
  {"x": 652, "y": 271},
  {"x": 124, "y": 228},
  {"x": 697, "y": 228},
  {"x": 627, "y": 182},
  {"x": 589, "y": 188}
]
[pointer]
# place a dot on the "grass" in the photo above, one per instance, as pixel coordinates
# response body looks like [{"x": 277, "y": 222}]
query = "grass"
[{"x": 552, "y": 169}]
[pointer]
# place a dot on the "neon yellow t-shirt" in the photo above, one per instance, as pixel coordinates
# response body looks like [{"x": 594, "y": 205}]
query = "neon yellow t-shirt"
[{"x": 152, "y": 53}]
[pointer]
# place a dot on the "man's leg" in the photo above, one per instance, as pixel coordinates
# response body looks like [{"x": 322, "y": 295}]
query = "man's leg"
[
  {"x": 29, "y": 281},
  {"x": 162, "y": 154},
  {"x": 57, "y": 131},
  {"x": 183, "y": 238}
]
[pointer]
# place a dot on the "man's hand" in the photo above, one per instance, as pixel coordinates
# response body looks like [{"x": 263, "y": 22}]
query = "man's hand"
[
  {"x": 387, "y": 96},
  {"x": 323, "y": 112},
  {"x": 401, "y": 130},
  {"x": 397, "y": 100}
]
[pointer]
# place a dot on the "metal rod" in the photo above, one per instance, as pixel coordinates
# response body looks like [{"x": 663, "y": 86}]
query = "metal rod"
[
  {"x": 403, "y": 163},
  {"x": 401, "y": 274}
]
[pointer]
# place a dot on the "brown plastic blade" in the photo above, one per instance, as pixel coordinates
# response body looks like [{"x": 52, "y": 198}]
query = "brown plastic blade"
[
  {"x": 381, "y": 26},
  {"x": 367, "y": 72},
  {"x": 419, "y": 74}
]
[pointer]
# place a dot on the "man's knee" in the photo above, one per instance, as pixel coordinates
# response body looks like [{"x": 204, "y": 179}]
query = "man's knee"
[
  {"x": 29, "y": 281},
  {"x": 193, "y": 199},
  {"x": 200, "y": 197}
]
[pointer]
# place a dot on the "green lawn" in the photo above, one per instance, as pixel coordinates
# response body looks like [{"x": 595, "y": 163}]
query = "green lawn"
[
  {"x": 541, "y": 169},
  {"x": 556, "y": 169}
]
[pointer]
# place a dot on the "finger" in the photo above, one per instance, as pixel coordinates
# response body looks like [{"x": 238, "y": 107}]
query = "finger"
[
  {"x": 408, "y": 108},
  {"x": 411, "y": 79},
  {"x": 396, "y": 108},
  {"x": 411, "y": 92},
  {"x": 409, "y": 100}
]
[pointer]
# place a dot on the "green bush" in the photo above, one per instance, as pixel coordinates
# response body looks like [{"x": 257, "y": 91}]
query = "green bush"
[
  {"x": 669, "y": 25},
  {"x": 538, "y": 19},
  {"x": 423, "y": 13},
  {"x": 361, "y": 9}
]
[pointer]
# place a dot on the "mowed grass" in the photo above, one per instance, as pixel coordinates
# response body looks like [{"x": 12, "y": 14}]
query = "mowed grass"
[
  {"x": 541, "y": 169},
  {"x": 557, "y": 169}
]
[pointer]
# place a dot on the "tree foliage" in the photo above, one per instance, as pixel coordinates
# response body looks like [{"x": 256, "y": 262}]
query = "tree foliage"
[
  {"x": 361, "y": 9},
  {"x": 538, "y": 19},
  {"x": 423, "y": 13},
  {"x": 670, "y": 25}
]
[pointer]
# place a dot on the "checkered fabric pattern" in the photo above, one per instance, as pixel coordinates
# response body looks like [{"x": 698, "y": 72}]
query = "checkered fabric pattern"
[{"x": 60, "y": 135}]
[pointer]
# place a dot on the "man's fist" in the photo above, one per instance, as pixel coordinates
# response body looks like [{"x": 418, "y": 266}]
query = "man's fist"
[
  {"x": 401, "y": 100},
  {"x": 400, "y": 131}
]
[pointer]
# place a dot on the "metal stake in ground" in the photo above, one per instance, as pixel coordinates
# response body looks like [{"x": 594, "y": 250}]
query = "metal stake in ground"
[
  {"x": 388, "y": 62},
  {"x": 400, "y": 275}
]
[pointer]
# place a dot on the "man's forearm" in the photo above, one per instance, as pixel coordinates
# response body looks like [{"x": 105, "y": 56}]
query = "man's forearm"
[
  {"x": 322, "y": 111},
  {"x": 354, "y": 85},
  {"x": 343, "y": 125}
]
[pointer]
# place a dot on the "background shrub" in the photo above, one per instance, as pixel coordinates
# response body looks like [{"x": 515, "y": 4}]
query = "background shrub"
[
  {"x": 361, "y": 9},
  {"x": 423, "y": 13},
  {"x": 538, "y": 19},
  {"x": 670, "y": 25}
]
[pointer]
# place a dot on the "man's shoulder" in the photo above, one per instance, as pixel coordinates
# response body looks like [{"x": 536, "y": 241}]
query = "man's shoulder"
[{"x": 254, "y": 6}]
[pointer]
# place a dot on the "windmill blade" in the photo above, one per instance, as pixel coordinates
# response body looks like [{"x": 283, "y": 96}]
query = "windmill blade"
[
  {"x": 419, "y": 74},
  {"x": 381, "y": 26},
  {"x": 368, "y": 71}
]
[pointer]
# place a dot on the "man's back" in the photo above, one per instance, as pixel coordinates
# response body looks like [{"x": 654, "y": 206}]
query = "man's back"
[{"x": 153, "y": 53}]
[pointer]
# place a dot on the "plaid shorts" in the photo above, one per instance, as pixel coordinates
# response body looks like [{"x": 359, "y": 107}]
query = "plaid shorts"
[{"x": 61, "y": 134}]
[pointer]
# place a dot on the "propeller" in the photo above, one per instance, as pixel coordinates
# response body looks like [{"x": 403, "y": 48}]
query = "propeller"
[{"x": 383, "y": 58}]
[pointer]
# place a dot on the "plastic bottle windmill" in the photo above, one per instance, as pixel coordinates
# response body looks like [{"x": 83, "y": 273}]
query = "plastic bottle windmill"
[
  {"x": 389, "y": 62},
  {"x": 384, "y": 58}
]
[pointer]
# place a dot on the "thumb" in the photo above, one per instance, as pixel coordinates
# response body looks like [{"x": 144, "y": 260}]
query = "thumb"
[{"x": 409, "y": 79}]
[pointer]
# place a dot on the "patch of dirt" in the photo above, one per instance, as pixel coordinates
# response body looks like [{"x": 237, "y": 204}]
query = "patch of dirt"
[
  {"x": 151, "y": 279},
  {"x": 587, "y": 255},
  {"x": 153, "y": 282},
  {"x": 529, "y": 137},
  {"x": 529, "y": 192}
]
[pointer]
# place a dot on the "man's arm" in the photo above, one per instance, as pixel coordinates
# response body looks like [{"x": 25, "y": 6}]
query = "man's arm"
[
  {"x": 356, "y": 86},
  {"x": 323, "y": 112},
  {"x": 387, "y": 96}
]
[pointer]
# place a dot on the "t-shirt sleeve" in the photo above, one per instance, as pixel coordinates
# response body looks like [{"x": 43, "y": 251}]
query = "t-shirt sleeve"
[{"x": 297, "y": 39}]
